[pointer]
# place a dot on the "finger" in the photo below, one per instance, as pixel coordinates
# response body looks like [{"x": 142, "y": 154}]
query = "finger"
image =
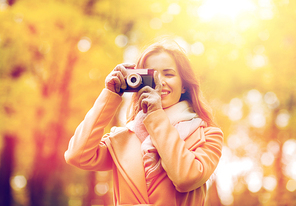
[
  {"x": 115, "y": 83},
  {"x": 141, "y": 99},
  {"x": 121, "y": 69},
  {"x": 158, "y": 85},
  {"x": 121, "y": 79},
  {"x": 129, "y": 65},
  {"x": 145, "y": 89},
  {"x": 118, "y": 73},
  {"x": 144, "y": 105}
]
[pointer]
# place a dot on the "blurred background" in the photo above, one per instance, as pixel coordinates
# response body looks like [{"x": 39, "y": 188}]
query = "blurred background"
[{"x": 55, "y": 55}]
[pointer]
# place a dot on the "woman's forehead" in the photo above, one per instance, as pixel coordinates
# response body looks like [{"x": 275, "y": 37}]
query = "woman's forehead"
[{"x": 161, "y": 59}]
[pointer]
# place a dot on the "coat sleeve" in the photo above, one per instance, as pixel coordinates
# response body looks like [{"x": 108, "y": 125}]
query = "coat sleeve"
[
  {"x": 187, "y": 167},
  {"x": 86, "y": 149}
]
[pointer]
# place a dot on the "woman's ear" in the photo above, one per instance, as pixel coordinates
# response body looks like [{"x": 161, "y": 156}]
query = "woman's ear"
[{"x": 183, "y": 90}]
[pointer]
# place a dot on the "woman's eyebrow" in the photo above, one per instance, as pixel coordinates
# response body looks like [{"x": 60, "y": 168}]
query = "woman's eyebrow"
[{"x": 169, "y": 70}]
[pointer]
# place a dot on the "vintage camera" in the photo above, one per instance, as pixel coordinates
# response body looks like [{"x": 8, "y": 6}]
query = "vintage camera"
[{"x": 139, "y": 78}]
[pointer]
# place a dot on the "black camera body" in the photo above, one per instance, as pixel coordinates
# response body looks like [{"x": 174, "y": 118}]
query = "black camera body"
[{"x": 138, "y": 78}]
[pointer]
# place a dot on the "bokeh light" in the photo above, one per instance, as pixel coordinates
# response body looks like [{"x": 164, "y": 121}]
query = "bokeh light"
[
  {"x": 254, "y": 181},
  {"x": 75, "y": 202},
  {"x": 197, "y": 48},
  {"x": 267, "y": 159},
  {"x": 271, "y": 99},
  {"x": 78, "y": 189},
  {"x": 174, "y": 9},
  {"x": 101, "y": 188},
  {"x": 121, "y": 40},
  {"x": 235, "y": 109},
  {"x": 291, "y": 185},
  {"x": 95, "y": 74},
  {"x": 227, "y": 8},
  {"x": 258, "y": 61},
  {"x": 131, "y": 54},
  {"x": 269, "y": 183},
  {"x": 18, "y": 182},
  {"x": 282, "y": 120},
  {"x": 254, "y": 96},
  {"x": 156, "y": 7},
  {"x": 156, "y": 23},
  {"x": 167, "y": 18},
  {"x": 257, "y": 118},
  {"x": 266, "y": 9},
  {"x": 273, "y": 147},
  {"x": 84, "y": 44}
]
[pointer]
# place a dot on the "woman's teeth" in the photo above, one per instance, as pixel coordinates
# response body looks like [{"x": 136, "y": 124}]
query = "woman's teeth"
[{"x": 164, "y": 93}]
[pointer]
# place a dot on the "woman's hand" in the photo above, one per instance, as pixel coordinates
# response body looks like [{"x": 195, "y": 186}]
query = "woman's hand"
[
  {"x": 115, "y": 81},
  {"x": 150, "y": 99}
]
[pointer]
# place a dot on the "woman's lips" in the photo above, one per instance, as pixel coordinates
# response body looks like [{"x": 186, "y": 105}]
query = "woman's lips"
[{"x": 164, "y": 93}]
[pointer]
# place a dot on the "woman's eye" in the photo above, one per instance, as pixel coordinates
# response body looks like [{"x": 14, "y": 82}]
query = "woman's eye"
[{"x": 169, "y": 75}]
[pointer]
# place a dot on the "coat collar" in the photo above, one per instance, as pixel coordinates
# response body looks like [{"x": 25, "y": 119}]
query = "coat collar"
[{"x": 125, "y": 149}]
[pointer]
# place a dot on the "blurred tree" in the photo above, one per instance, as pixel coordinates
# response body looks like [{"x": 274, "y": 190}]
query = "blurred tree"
[
  {"x": 6, "y": 169},
  {"x": 47, "y": 53}
]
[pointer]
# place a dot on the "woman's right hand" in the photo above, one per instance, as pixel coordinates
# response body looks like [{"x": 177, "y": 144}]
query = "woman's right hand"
[{"x": 115, "y": 81}]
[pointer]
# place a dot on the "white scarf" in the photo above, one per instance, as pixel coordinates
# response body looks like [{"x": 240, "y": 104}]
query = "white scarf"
[{"x": 181, "y": 116}]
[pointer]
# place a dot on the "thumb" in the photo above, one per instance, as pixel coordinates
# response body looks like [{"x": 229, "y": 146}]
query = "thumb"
[{"x": 144, "y": 106}]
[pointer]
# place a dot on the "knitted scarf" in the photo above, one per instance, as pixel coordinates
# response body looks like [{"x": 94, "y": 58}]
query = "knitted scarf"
[{"x": 181, "y": 116}]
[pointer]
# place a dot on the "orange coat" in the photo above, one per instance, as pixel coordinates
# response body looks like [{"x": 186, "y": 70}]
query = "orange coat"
[{"x": 187, "y": 164}]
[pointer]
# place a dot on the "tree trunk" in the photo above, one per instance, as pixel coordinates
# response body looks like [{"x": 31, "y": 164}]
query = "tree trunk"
[
  {"x": 6, "y": 169},
  {"x": 45, "y": 180}
]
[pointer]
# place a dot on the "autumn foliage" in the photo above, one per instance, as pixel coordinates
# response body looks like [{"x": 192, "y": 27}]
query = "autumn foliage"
[{"x": 55, "y": 55}]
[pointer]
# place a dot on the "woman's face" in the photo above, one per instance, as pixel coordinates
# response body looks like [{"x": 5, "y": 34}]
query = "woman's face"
[{"x": 169, "y": 77}]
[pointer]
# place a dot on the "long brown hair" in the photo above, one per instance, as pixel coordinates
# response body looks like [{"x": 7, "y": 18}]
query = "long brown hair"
[{"x": 190, "y": 82}]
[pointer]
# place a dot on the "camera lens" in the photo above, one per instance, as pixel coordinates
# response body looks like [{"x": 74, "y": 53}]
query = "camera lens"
[{"x": 134, "y": 80}]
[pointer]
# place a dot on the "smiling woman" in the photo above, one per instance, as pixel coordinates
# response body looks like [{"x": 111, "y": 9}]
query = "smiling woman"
[{"x": 170, "y": 146}]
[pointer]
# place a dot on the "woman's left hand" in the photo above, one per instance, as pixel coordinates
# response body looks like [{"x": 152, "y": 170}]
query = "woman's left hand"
[{"x": 149, "y": 98}]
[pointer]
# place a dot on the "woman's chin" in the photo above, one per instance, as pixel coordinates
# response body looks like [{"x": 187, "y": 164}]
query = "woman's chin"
[{"x": 166, "y": 105}]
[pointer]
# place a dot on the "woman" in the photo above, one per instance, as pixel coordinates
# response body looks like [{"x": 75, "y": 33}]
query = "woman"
[{"x": 170, "y": 146}]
